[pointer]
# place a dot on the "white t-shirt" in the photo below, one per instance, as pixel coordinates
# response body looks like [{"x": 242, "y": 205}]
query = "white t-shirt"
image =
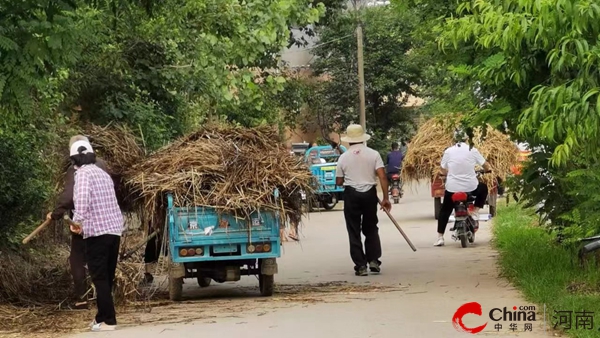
[
  {"x": 358, "y": 166},
  {"x": 460, "y": 163}
]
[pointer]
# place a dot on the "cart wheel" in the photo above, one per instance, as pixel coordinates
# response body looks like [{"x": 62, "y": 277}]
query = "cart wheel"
[
  {"x": 437, "y": 206},
  {"x": 330, "y": 206},
  {"x": 175, "y": 288},
  {"x": 493, "y": 210},
  {"x": 266, "y": 283},
  {"x": 204, "y": 281}
]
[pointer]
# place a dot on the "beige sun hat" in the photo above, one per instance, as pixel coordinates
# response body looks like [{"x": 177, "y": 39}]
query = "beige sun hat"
[{"x": 355, "y": 134}]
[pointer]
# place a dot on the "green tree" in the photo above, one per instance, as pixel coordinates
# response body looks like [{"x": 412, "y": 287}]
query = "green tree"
[
  {"x": 541, "y": 74},
  {"x": 390, "y": 74},
  {"x": 160, "y": 66}
]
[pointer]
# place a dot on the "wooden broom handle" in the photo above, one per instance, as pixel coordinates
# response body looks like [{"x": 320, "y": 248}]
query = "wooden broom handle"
[{"x": 37, "y": 231}]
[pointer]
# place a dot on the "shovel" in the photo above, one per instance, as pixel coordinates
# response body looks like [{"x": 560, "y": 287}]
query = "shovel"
[{"x": 398, "y": 227}]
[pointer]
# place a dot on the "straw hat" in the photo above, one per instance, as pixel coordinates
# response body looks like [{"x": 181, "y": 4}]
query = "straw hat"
[{"x": 355, "y": 134}]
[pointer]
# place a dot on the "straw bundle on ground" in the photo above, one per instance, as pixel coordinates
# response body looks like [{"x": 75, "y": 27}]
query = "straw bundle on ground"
[
  {"x": 230, "y": 168},
  {"x": 425, "y": 151}
]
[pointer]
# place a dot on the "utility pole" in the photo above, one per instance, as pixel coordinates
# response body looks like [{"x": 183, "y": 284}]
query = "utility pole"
[{"x": 361, "y": 76}]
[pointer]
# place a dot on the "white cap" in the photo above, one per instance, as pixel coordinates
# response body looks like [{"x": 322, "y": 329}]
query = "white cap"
[{"x": 75, "y": 148}]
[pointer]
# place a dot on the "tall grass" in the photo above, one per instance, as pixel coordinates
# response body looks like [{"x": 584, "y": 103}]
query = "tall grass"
[{"x": 546, "y": 272}]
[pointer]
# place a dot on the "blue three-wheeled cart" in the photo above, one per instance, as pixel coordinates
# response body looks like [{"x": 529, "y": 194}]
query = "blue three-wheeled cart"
[{"x": 208, "y": 245}]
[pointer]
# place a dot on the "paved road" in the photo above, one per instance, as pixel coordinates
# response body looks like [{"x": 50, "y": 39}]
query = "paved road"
[{"x": 428, "y": 287}]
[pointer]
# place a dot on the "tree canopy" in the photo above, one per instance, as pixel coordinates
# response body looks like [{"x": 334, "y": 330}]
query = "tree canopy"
[
  {"x": 390, "y": 74},
  {"x": 162, "y": 67}
]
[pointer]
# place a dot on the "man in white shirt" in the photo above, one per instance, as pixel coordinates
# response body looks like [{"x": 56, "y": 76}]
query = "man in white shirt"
[
  {"x": 357, "y": 170},
  {"x": 458, "y": 164}
]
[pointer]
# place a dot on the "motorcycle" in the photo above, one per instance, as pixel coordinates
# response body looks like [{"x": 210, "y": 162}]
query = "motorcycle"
[
  {"x": 396, "y": 190},
  {"x": 465, "y": 226}
]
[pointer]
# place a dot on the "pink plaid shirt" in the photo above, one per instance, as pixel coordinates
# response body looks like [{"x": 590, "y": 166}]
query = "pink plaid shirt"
[{"x": 96, "y": 207}]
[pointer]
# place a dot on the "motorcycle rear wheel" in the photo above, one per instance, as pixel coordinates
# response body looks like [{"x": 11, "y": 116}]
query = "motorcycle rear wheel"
[{"x": 463, "y": 240}]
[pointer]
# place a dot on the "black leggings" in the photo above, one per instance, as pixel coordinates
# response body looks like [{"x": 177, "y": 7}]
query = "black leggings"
[
  {"x": 447, "y": 206},
  {"x": 102, "y": 253}
]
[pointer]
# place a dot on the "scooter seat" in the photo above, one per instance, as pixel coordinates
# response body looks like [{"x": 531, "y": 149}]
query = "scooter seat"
[{"x": 463, "y": 197}]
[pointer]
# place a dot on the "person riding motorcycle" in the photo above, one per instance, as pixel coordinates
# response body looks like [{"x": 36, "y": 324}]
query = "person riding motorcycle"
[
  {"x": 394, "y": 163},
  {"x": 458, "y": 164}
]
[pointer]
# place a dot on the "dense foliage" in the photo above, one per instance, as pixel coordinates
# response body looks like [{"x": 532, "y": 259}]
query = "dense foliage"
[
  {"x": 162, "y": 67},
  {"x": 540, "y": 74}
]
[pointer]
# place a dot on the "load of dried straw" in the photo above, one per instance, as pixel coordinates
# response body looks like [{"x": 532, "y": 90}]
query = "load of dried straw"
[
  {"x": 120, "y": 149},
  {"x": 425, "y": 150},
  {"x": 232, "y": 169}
]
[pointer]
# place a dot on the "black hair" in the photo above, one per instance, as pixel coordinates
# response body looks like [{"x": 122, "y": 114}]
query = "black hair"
[
  {"x": 82, "y": 159},
  {"x": 394, "y": 145}
]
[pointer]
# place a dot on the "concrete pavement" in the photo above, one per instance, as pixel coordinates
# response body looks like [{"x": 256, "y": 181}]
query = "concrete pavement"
[{"x": 416, "y": 294}]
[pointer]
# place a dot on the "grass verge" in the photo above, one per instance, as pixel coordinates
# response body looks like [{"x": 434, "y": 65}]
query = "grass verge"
[{"x": 546, "y": 272}]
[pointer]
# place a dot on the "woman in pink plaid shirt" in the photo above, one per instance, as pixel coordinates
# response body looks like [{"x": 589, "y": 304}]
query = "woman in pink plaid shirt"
[{"x": 98, "y": 213}]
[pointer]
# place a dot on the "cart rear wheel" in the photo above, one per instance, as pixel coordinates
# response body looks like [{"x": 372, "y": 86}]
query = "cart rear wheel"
[
  {"x": 204, "y": 281},
  {"x": 266, "y": 283},
  {"x": 332, "y": 204},
  {"x": 437, "y": 206},
  {"x": 175, "y": 289}
]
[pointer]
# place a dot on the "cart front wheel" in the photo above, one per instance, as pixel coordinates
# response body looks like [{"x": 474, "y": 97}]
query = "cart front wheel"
[
  {"x": 204, "y": 281},
  {"x": 175, "y": 288},
  {"x": 266, "y": 284},
  {"x": 437, "y": 206}
]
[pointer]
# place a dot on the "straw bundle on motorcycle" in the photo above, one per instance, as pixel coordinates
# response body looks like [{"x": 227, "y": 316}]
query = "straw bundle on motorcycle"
[{"x": 425, "y": 150}]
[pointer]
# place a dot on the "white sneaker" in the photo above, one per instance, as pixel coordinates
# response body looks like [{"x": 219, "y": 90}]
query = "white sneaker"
[
  {"x": 439, "y": 242},
  {"x": 475, "y": 215},
  {"x": 92, "y": 323},
  {"x": 103, "y": 327}
]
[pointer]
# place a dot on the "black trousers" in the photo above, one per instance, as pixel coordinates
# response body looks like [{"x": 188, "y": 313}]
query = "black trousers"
[
  {"x": 360, "y": 211},
  {"x": 151, "y": 252},
  {"x": 447, "y": 205},
  {"x": 102, "y": 253},
  {"x": 77, "y": 264},
  {"x": 153, "y": 249}
]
